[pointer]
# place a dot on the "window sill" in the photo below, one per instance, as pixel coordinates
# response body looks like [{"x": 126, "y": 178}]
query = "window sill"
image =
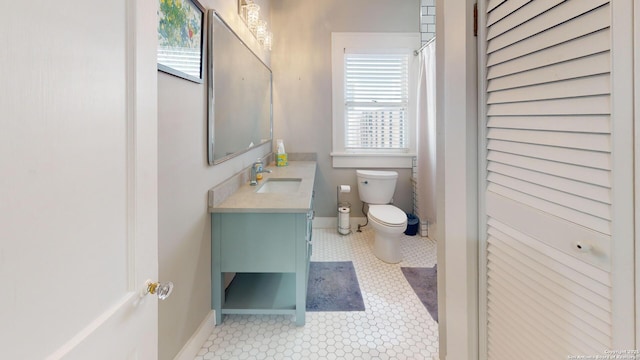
[{"x": 354, "y": 160}]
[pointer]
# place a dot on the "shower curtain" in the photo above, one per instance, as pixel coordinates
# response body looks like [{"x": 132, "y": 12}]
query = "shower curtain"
[{"x": 426, "y": 158}]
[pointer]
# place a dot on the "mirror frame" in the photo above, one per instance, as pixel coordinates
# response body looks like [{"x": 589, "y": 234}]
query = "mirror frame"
[{"x": 211, "y": 92}]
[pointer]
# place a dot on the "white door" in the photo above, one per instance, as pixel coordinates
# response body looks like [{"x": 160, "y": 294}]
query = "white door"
[
  {"x": 78, "y": 202},
  {"x": 557, "y": 268}
]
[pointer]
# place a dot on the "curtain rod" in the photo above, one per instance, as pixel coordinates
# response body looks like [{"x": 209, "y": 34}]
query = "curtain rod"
[{"x": 416, "y": 52}]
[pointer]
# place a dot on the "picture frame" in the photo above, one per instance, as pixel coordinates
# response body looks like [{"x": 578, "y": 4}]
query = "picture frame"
[{"x": 181, "y": 32}]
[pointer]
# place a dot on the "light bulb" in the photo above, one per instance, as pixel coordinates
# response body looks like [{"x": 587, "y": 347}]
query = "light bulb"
[
  {"x": 261, "y": 31},
  {"x": 268, "y": 40}
]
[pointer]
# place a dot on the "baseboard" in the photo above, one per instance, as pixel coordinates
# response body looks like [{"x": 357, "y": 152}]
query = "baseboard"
[
  {"x": 192, "y": 347},
  {"x": 332, "y": 222}
]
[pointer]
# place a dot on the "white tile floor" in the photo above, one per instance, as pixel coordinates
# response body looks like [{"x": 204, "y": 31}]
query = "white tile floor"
[{"x": 395, "y": 324}]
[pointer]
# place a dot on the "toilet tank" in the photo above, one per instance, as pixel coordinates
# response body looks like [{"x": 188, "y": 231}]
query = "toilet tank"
[{"x": 376, "y": 187}]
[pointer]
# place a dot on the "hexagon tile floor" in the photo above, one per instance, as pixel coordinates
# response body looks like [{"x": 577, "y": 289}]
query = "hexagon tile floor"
[{"x": 395, "y": 324}]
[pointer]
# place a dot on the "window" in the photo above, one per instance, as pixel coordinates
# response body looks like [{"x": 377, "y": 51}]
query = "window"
[
  {"x": 373, "y": 99},
  {"x": 376, "y": 96}
]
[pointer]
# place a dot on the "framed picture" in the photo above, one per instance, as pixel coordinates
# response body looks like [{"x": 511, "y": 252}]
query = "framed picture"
[{"x": 181, "y": 38}]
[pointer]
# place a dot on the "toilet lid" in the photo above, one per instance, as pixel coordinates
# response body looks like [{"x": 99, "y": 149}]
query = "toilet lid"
[{"x": 388, "y": 215}]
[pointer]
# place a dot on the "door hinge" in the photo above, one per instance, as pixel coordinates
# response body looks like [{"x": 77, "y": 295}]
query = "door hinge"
[{"x": 475, "y": 19}]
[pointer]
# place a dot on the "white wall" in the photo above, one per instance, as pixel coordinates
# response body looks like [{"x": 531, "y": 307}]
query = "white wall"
[
  {"x": 183, "y": 180},
  {"x": 301, "y": 63}
]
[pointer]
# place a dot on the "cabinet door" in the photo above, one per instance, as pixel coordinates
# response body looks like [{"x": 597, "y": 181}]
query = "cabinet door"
[{"x": 258, "y": 242}]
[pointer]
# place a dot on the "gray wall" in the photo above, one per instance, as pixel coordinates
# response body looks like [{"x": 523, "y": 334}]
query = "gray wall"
[
  {"x": 184, "y": 177},
  {"x": 301, "y": 63}
]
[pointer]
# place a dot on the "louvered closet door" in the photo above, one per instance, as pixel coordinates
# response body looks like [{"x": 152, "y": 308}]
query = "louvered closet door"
[{"x": 551, "y": 285}]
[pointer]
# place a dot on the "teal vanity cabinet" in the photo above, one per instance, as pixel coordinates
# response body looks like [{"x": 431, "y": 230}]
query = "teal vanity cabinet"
[{"x": 265, "y": 238}]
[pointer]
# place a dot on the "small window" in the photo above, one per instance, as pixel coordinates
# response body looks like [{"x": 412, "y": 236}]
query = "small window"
[{"x": 374, "y": 80}]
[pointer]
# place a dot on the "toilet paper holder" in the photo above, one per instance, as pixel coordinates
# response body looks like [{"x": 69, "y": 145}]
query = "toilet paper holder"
[
  {"x": 344, "y": 210},
  {"x": 342, "y": 189}
]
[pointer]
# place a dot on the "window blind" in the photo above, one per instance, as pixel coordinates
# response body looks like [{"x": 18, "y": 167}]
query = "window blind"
[
  {"x": 376, "y": 101},
  {"x": 182, "y": 59}
]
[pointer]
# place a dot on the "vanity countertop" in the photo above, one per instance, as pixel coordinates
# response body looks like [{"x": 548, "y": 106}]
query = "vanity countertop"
[{"x": 247, "y": 200}]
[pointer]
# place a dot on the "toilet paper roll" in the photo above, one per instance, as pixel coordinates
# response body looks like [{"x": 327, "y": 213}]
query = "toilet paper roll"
[
  {"x": 343, "y": 220},
  {"x": 344, "y": 188}
]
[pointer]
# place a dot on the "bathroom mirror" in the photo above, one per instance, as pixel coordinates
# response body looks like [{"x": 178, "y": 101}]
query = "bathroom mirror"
[{"x": 240, "y": 99}]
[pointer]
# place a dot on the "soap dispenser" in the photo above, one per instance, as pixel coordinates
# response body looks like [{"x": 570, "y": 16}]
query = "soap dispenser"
[
  {"x": 281, "y": 155},
  {"x": 259, "y": 168}
]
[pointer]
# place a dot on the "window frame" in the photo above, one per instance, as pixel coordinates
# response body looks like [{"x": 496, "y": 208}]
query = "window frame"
[{"x": 371, "y": 43}]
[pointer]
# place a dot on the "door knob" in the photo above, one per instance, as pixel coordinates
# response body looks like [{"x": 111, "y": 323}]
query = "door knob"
[{"x": 163, "y": 290}]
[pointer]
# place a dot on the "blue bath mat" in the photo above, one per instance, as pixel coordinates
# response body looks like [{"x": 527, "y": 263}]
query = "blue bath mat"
[
  {"x": 333, "y": 286},
  {"x": 424, "y": 282}
]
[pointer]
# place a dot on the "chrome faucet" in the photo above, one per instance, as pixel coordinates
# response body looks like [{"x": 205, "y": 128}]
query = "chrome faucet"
[{"x": 254, "y": 174}]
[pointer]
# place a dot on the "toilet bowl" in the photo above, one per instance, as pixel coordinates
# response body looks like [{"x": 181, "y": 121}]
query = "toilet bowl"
[
  {"x": 376, "y": 188},
  {"x": 388, "y": 223}
]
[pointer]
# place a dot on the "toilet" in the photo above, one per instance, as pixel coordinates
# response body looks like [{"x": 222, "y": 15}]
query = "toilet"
[{"x": 376, "y": 188}]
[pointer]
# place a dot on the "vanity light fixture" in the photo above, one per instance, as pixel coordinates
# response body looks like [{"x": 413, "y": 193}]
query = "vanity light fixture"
[{"x": 250, "y": 13}]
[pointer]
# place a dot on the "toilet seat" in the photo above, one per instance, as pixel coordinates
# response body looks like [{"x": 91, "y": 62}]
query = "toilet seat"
[{"x": 388, "y": 215}]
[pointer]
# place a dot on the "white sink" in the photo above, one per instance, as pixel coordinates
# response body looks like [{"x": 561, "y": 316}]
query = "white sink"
[{"x": 280, "y": 185}]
